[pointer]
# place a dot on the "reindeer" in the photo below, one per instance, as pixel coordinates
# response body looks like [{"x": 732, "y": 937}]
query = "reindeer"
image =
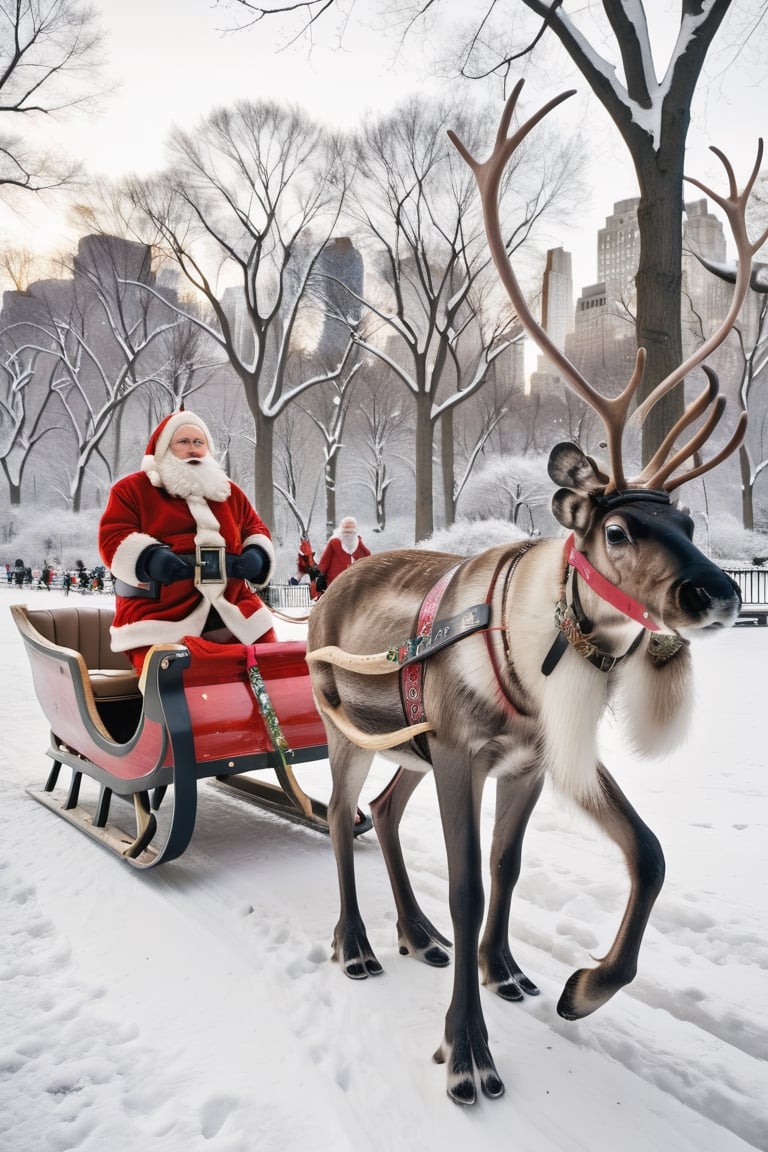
[{"x": 502, "y": 665}]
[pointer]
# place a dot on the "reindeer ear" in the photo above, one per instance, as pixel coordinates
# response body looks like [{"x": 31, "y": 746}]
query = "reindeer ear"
[
  {"x": 569, "y": 467},
  {"x": 572, "y": 510}
]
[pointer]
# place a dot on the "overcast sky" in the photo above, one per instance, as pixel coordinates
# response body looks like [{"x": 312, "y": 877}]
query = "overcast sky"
[{"x": 170, "y": 61}]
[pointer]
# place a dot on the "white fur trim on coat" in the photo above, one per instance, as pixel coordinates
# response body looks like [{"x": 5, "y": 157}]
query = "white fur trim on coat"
[
  {"x": 127, "y": 555},
  {"x": 144, "y": 633}
]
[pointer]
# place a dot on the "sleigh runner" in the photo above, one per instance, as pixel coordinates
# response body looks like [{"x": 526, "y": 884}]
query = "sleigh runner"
[{"x": 220, "y": 713}]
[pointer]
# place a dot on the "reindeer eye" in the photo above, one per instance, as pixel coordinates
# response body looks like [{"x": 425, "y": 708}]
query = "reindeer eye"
[{"x": 615, "y": 534}]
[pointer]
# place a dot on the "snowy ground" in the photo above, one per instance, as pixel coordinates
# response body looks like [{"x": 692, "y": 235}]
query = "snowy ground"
[{"x": 196, "y": 1007}]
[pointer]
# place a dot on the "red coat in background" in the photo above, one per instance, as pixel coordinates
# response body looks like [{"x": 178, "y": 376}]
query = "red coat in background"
[{"x": 341, "y": 551}]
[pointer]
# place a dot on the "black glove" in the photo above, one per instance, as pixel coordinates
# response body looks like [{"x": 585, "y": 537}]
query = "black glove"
[
  {"x": 321, "y": 582},
  {"x": 159, "y": 563},
  {"x": 251, "y": 565}
]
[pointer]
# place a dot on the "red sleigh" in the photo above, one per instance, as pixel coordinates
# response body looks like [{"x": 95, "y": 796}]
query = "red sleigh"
[{"x": 190, "y": 719}]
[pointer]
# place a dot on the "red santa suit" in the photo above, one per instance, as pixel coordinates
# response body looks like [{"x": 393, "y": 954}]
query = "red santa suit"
[
  {"x": 343, "y": 549},
  {"x": 141, "y": 513}
]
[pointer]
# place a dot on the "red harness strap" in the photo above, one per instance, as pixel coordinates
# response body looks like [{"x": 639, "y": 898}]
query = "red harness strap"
[
  {"x": 607, "y": 591},
  {"x": 412, "y": 675}
]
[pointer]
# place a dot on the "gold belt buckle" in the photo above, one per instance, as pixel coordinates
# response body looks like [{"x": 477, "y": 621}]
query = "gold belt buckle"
[{"x": 210, "y": 565}]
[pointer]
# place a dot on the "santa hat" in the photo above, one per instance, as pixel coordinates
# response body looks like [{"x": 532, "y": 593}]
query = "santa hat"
[{"x": 160, "y": 441}]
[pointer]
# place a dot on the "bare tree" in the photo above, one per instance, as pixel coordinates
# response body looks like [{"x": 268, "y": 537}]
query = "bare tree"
[
  {"x": 492, "y": 413},
  {"x": 610, "y": 45},
  {"x": 384, "y": 421},
  {"x": 329, "y": 414},
  {"x": 19, "y": 266},
  {"x": 23, "y": 412},
  {"x": 99, "y": 344},
  {"x": 509, "y": 488},
  {"x": 251, "y": 200},
  {"x": 421, "y": 214},
  {"x": 49, "y": 60},
  {"x": 291, "y": 460}
]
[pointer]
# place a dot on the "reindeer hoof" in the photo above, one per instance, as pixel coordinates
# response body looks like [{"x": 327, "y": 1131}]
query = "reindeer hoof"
[
  {"x": 503, "y": 976},
  {"x": 435, "y": 956},
  {"x": 585, "y": 992},
  {"x": 510, "y": 991},
  {"x": 419, "y": 938},
  {"x": 352, "y": 950},
  {"x": 461, "y": 1072},
  {"x": 514, "y": 988},
  {"x": 362, "y": 969},
  {"x": 462, "y": 1092},
  {"x": 492, "y": 1086}
]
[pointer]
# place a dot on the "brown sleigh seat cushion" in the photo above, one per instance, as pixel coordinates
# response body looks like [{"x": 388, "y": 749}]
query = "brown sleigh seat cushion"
[{"x": 86, "y": 630}]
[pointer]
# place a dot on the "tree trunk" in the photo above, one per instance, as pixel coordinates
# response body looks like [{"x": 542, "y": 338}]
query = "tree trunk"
[
  {"x": 447, "y": 462},
  {"x": 330, "y": 495},
  {"x": 381, "y": 510},
  {"x": 747, "y": 502},
  {"x": 423, "y": 449},
  {"x": 263, "y": 491},
  {"x": 659, "y": 219}
]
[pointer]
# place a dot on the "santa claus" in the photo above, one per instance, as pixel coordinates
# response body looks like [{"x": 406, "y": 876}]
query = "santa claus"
[
  {"x": 343, "y": 549},
  {"x": 184, "y": 544}
]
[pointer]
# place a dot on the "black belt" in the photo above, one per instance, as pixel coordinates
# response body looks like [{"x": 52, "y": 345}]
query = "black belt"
[
  {"x": 210, "y": 560},
  {"x": 210, "y": 564}
]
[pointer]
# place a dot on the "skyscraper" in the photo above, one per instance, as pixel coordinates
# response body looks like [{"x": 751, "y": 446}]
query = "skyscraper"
[
  {"x": 556, "y": 313},
  {"x": 618, "y": 252}
]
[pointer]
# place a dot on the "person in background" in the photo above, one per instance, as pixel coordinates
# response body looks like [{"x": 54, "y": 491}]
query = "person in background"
[
  {"x": 184, "y": 544},
  {"x": 343, "y": 548}
]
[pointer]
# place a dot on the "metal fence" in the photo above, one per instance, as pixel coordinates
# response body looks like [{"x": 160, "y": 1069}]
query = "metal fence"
[
  {"x": 753, "y": 585},
  {"x": 287, "y": 595}
]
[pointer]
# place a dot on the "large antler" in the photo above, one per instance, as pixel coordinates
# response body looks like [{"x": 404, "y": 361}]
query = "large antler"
[{"x": 613, "y": 411}]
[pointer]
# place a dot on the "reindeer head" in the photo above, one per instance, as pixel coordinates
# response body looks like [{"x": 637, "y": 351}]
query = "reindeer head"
[{"x": 640, "y": 549}]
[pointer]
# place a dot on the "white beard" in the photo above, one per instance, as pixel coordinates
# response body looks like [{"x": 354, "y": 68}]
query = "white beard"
[
  {"x": 203, "y": 478},
  {"x": 348, "y": 541}
]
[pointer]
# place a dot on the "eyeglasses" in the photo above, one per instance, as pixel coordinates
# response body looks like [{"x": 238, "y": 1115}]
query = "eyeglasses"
[{"x": 186, "y": 443}]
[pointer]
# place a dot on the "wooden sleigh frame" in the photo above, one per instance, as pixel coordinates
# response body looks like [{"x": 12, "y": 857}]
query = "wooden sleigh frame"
[{"x": 138, "y": 741}]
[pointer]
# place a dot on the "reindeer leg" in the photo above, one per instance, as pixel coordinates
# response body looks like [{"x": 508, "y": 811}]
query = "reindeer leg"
[
  {"x": 417, "y": 936},
  {"x": 589, "y": 988},
  {"x": 465, "y": 1043},
  {"x": 349, "y": 769},
  {"x": 516, "y": 798}
]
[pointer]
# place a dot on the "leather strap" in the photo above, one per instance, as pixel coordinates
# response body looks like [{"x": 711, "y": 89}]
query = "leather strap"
[
  {"x": 444, "y": 632},
  {"x": 607, "y": 591},
  {"x": 412, "y": 675}
]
